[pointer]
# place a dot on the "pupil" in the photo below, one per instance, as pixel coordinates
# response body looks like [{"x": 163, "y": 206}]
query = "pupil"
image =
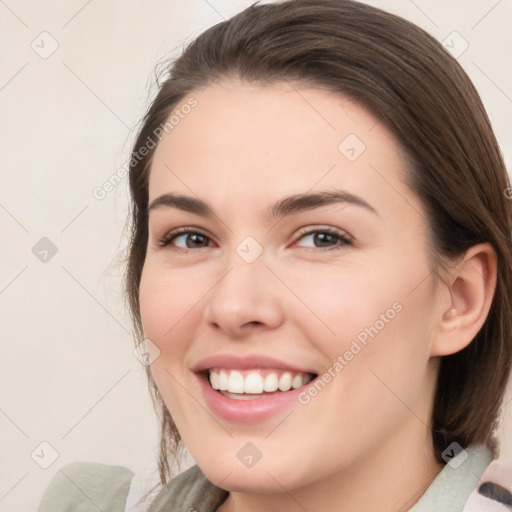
[
  {"x": 195, "y": 240},
  {"x": 323, "y": 239}
]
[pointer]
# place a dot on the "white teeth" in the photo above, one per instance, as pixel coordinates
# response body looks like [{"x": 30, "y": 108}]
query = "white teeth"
[
  {"x": 271, "y": 383},
  {"x": 285, "y": 381},
  {"x": 253, "y": 383},
  {"x": 214, "y": 380},
  {"x": 297, "y": 381},
  {"x": 223, "y": 380},
  {"x": 236, "y": 382}
]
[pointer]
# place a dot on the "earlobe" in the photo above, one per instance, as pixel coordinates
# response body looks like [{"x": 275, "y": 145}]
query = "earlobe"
[{"x": 472, "y": 283}]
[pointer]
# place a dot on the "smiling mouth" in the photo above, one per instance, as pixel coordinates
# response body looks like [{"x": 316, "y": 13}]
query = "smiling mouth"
[{"x": 256, "y": 383}]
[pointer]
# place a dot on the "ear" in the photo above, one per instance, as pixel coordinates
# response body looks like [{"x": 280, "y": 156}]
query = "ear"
[{"x": 471, "y": 289}]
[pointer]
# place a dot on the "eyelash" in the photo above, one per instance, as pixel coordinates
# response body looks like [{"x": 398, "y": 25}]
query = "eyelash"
[{"x": 168, "y": 238}]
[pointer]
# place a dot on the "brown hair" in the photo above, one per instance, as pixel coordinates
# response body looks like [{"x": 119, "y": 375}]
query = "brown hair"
[{"x": 406, "y": 78}]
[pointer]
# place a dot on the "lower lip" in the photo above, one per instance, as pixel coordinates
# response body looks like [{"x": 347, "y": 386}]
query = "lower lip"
[{"x": 247, "y": 411}]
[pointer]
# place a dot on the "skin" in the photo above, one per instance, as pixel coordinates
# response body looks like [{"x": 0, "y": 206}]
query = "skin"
[{"x": 363, "y": 443}]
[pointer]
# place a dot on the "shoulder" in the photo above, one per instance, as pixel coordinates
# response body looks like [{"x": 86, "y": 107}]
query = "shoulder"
[
  {"x": 87, "y": 486},
  {"x": 190, "y": 490}
]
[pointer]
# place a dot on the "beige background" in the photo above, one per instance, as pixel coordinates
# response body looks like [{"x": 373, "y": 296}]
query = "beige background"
[{"x": 68, "y": 375}]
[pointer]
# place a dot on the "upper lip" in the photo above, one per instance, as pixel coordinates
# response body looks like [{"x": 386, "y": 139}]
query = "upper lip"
[{"x": 245, "y": 362}]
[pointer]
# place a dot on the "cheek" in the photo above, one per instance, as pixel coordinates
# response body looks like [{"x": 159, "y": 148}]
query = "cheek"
[
  {"x": 336, "y": 304},
  {"x": 167, "y": 304},
  {"x": 377, "y": 357},
  {"x": 374, "y": 317}
]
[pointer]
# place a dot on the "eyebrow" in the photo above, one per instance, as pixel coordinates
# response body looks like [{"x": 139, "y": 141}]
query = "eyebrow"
[{"x": 287, "y": 206}]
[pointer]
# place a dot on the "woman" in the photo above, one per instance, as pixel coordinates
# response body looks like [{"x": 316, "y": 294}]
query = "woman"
[{"x": 320, "y": 268}]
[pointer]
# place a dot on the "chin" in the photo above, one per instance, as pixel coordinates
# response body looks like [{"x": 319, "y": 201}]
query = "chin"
[{"x": 260, "y": 478}]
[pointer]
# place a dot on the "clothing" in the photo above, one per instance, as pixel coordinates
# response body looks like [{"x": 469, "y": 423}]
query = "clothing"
[{"x": 87, "y": 487}]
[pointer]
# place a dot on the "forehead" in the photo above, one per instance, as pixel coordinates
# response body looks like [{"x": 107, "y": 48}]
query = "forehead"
[{"x": 274, "y": 140}]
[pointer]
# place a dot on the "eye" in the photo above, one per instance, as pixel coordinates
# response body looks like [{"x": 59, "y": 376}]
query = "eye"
[
  {"x": 328, "y": 238},
  {"x": 184, "y": 239}
]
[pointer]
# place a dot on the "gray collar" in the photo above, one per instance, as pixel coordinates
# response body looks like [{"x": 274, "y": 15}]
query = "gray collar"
[{"x": 456, "y": 481}]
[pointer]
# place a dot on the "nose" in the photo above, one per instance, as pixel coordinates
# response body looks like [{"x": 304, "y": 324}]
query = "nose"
[{"x": 245, "y": 299}]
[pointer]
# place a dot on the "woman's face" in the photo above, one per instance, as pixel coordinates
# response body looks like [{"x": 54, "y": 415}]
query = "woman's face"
[{"x": 284, "y": 247}]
